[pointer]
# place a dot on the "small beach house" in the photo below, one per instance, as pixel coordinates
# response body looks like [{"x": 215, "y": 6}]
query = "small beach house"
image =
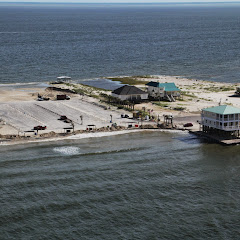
[
  {"x": 131, "y": 93},
  {"x": 221, "y": 119},
  {"x": 162, "y": 91},
  {"x": 63, "y": 79}
]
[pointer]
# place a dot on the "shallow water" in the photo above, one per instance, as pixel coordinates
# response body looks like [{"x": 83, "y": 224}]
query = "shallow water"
[{"x": 143, "y": 185}]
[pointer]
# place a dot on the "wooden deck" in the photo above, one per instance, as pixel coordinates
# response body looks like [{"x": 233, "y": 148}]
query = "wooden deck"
[{"x": 216, "y": 139}]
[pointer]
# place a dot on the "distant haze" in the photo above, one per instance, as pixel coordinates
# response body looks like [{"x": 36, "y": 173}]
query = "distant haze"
[{"x": 117, "y": 1}]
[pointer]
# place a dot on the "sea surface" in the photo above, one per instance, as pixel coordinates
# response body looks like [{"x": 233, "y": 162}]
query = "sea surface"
[
  {"x": 39, "y": 42},
  {"x": 151, "y": 185}
]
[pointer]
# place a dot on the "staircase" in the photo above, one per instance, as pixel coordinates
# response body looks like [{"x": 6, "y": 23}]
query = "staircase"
[
  {"x": 173, "y": 99},
  {"x": 168, "y": 98}
]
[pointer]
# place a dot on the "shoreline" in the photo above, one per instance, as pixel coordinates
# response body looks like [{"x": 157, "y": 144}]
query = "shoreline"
[
  {"x": 20, "y": 111},
  {"x": 179, "y": 77},
  {"x": 86, "y": 135}
]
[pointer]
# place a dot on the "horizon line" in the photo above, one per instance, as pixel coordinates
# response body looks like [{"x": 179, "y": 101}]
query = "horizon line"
[{"x": 199, "y": 2}]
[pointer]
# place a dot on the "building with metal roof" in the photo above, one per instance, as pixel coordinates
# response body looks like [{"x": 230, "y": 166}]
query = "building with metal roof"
[
  {"x": 168, "y": 91},
  {"x": 223, "y": 117},
  {"x": 223, "y": 109},
  {"x": 128, "y": 92}
]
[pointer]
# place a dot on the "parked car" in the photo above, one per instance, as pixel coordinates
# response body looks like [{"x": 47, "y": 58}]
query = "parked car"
[
  {"x": 188, "y": 125},
  {"x": 43, "y": 98},
  {"x": 124, "y": 116},
  {"x": 39, "y": 127}
]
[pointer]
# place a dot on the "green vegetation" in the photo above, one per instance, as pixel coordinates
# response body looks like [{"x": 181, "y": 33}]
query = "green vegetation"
[
  {"x": 205, "y": 99},
  {"x": 179, "y": 108},
  {"x": 187, "y": 94},
  {"x": 219, "y": 89},
  {"x": 227, "y": 88},
  {"x": 84, "y": 89},
  {"x": 161, "y": 104},
  {"x": 79, "y": 91},
  {"x": 68, "y": 84}
]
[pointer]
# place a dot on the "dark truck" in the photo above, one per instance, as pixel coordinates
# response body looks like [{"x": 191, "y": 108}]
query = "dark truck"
[
  {"x": 63, "y": 97},
  {"x": 39, "y": 128}
]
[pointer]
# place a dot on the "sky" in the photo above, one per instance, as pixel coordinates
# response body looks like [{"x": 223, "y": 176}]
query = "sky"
[{"x": 120, "y": 1}]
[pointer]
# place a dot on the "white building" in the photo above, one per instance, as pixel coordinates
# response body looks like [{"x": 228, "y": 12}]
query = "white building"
[
  {"x": 167, "y": 91},
  {"x": 224, "y": 118},
  {"x": 132, "y": 93},
  {"x": 63, "y": 79}
]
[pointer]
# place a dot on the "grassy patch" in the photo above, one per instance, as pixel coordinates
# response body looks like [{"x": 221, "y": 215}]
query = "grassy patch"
[
  {"x": 205, "y": 99},
  {"x": 161, "y": 104},
  {"x": 179, "y": 108},
  {"x": 219, "y": 89},
  {"x": 187, "y": 94},
  {"x": 227, "y": 88}
]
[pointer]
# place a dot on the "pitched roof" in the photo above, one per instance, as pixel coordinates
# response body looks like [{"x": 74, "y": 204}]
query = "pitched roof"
[
  {"x": 168, "y": 87},
  {"x": 223, "y": 109},
  {"x": 128, "y": 90}
]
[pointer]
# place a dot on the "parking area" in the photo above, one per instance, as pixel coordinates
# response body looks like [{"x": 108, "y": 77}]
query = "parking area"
[{"x": 24, "y": 116}]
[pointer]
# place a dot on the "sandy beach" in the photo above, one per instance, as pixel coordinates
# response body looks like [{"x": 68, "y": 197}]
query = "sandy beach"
[{"x": 20, "y": 111}]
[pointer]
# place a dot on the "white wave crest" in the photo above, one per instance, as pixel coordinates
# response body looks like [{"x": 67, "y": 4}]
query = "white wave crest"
[{"x": 67, "y": 150}]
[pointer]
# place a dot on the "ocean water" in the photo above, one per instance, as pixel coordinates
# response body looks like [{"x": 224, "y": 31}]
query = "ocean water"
[
  {"x": 39, "y": 42},
  {"x": 150, "y": 185}
]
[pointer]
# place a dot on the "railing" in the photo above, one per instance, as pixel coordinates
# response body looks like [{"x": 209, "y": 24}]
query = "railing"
[
  {"x": 221, "y": 120},
  {"x": 230, "y": 128},
  {"x": 226, "y": 128}
]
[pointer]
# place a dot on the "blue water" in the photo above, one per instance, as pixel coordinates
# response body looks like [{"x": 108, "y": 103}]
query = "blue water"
[
  {"x": 136, "y": 186},
  {"x": 40, "y": 42}
]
